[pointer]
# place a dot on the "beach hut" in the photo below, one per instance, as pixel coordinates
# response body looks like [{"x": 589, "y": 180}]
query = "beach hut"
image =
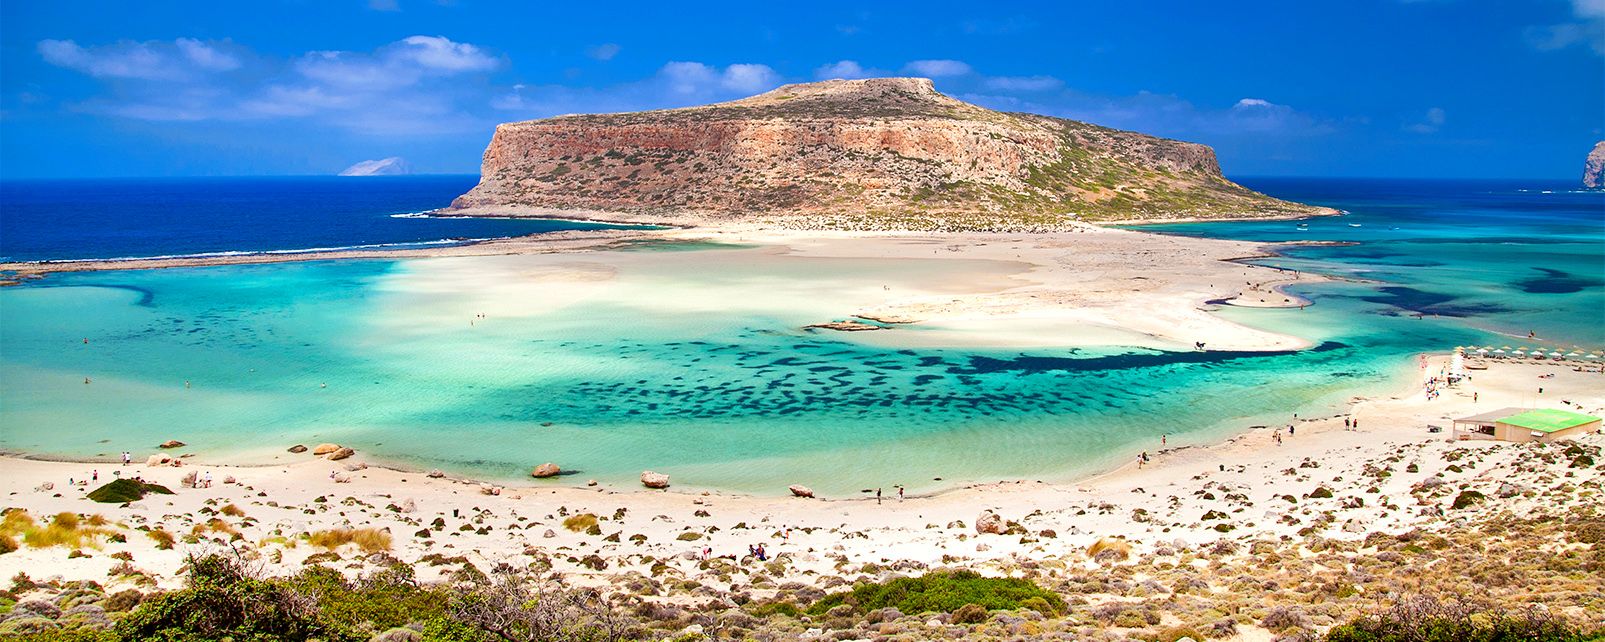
[{"x": 1522, "y": 424}]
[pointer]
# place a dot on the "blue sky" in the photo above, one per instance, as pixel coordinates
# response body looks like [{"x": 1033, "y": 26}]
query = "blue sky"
[{"x": 1425, "y": 88}]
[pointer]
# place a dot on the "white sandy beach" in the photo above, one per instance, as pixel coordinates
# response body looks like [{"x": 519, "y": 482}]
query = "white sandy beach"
[{"x": 1154, "y": 505}]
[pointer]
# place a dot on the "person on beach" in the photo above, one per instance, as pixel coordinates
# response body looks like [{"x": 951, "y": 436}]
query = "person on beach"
[
  {"x": 1291, "y": 429},
  {"x": 94, "y": 475},
  {"x": 1139, "y": 462},
  {"x": 899, "y": 493},
  {"x": 208, "y": 479},
  {"x": 877, "y": 496},
  {"x": 1162, "y": 439}
]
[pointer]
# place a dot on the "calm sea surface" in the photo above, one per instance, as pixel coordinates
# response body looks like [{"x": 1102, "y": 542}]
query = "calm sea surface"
[{"x": 336, "y": 351}]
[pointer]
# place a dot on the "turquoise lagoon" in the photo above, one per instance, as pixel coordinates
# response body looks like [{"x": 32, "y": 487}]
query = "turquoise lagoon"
[{"x": 389, "y": 357}]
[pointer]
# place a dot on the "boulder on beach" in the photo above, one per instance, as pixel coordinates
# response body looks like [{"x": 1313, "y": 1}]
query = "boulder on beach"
[
  {"x": 436, "y": 474},
  {"x": 989, "y": 522},
  {"x": 157, "y": 460},
  {"x": 341, "y": 453},
  {"x": 324, "y": 449},
  {"x": 654, "y": 480},
  {"x": 172, "y": 443},
  {"x": 298, "y": 449},
  {"x": 798, "y": 490},
  {"x": 545, "y": 470}
]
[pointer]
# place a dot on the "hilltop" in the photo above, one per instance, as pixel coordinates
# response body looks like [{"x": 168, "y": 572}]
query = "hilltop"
[{"x": 885, "y": 153}]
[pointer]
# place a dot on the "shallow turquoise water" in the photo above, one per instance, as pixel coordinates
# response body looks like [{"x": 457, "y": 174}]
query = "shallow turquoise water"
[{"x": 741, "y": 400}]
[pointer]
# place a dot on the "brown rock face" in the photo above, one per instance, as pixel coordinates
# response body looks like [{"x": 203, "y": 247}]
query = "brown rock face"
[
  {"x": 1594, "y": 168},
  {"x": 885, "y": 153},
  {"x": 545, "y": 470}
]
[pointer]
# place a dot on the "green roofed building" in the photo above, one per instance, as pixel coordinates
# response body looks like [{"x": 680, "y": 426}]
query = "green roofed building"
[{"x": 1522, "y": 424}]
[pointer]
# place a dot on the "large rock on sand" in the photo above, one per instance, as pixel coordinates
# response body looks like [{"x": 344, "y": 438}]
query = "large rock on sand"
[
  {"x": 798, "y": 490},
  {"x": 650, "y": 479},
  {"x": 989, "y": 522},
  {"x": 341, "y": 453},
  {"x": 545, "y": 470},
  {"x": 324, "y": 449},
  {"x": 298, "y": 449},
  {"x": 157, "y": 460}
]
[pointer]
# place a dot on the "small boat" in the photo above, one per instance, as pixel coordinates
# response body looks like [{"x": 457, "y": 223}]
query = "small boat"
[{"x": 1354, "y": 225}]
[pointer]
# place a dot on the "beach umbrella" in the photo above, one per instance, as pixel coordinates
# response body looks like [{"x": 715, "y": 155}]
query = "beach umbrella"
[
  {"x": 1499, "y": 351},
  {"x": 1574, "y": 353},
  {"x": 1482, "y": 351},
  {"x": 1518, "y": 353},
  {"x": 1555, "y": 353}
]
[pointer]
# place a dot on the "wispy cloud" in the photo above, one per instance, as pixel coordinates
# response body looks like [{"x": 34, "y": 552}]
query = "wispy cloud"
[
  {"x": 938, "y": 68},
  {"x": 604, "y": 52},
  {"x": 181, "y": 59},
  {"x": 1430, "y": 123},
  {"x": 1588, "y": 29},
  {"x": 400, "y": 88},
  {"x": 1023, "y": 83},
  {"x": 675, "y": 84}
]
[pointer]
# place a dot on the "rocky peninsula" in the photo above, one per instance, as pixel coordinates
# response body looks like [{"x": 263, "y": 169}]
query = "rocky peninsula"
[{"x": 877, "y": 154}]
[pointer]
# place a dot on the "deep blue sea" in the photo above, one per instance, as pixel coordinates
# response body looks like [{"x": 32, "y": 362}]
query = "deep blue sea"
[
  {"x": 694, "y": 363},
  {"x": 125, "y": 218}
]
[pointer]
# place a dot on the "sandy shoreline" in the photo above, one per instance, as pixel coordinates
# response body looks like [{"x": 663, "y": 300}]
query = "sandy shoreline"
[{"x": 1251, "y": 460}]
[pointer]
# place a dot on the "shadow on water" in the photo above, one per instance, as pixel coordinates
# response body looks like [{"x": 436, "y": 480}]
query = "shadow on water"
[{"x": 1029, "y": 364}]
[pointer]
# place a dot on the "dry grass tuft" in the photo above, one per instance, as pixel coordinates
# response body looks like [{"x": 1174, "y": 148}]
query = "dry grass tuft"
[
  {"x": 580, "y": 523},
  {"x": 1109, "y": 549},
  {"x": 164, "y": 540},
  {"x": 370, "y": 540}
]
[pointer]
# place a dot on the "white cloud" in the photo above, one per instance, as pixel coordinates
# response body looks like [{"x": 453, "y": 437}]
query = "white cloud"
[
  {"x": 938, "y": 68},
  {"x": 676, "y": 84},
  {"x": 1169, "y": 115},
  {"x": 847, "y": 69},
  {"x": 1588, "y": 29},
  {"x": 604, "y": 51},
  {"x": 749, "y": 78},
  {"x": 411, "y": 86},
  {"x": 441, "y": 54},
  {"x": 181, "y": 59},
  {"x": 1430, "y": 123},
  {"x": 1022, "y": 83}
]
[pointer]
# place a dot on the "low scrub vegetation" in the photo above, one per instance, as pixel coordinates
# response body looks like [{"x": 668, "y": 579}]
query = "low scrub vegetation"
[
  {"x": 123, "y": 491},
  {"x": 1423, "y": 619},
  {"x": 945, "y": 592}
]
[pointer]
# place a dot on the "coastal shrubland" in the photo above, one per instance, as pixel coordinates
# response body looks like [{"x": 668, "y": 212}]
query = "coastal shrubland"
[{"x": 944, "y": 592}]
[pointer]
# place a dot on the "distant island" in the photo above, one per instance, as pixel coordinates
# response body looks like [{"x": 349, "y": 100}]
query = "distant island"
[
  {"x": 393, "y": 166},
  {"x": 877, "y": 154},
  {"x": 1594, "y": 167}
]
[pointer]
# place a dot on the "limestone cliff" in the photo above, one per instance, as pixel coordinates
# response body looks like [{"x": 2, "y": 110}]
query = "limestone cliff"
[
  {"x": 1594, "y": 168},
  {"x": 888, "y": 153}
]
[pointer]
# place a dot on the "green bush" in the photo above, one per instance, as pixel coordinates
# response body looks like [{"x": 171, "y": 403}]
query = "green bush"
[
  {"x": 123, "y": 491},
  {"x": 1468, "y": 498},
  {"x": 943, "y": 591},
  {"x": 222, "y": 601}
]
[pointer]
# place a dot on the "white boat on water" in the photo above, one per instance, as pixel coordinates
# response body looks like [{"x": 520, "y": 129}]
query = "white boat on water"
[{"x": 1354, "y": 225}]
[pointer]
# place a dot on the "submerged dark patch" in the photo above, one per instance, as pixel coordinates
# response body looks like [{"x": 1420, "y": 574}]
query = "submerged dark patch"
[{"x": 1557, "y": 282}]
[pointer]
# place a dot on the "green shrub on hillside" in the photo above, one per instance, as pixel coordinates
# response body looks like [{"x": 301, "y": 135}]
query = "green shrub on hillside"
[
  {"x": 123, "y": 491},
  {"x": 946, "y": 592}
]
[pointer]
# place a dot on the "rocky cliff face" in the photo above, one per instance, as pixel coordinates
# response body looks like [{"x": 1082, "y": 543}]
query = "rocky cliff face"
[
  {"x": 888, "y": 153},
  {"x": 1594, "y": 168}
]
